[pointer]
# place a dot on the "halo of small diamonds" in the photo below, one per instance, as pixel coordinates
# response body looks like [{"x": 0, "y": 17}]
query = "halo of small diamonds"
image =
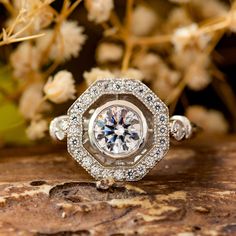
[{"x": 158, "y": 110}]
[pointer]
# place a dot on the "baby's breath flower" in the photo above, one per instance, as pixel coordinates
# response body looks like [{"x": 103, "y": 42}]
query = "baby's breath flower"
[
  {"x": 165, "y": 81},
  {"x": 148, "y": 64},
  {"x": 182, "y": 60},
  {"x": 109, "y": 52},
  {"x": 211, "y": 121},
  {"x": 132, "y": 73},
  {"x": 97, "y": 73},
  {"x": 144, "y": 20},
  {"x": 162, "y": 88},
  {"x": 32, "y": 93},
  {"x": 190, "y": 36},
  {"x": 37, "y": 12},
  {"x": 99, "y": 10},
  {"x": 197, "y": 77},
  {"x": 177, "y": 17},
  {"x": 182, "y": 36},
  {"x": 68, "y": 43},
  {"x": 25, "y": 59},
  {"x": 194, "y": 65},
  {"x": 61, "y": 87},
  {"x": 37, "y": 129}
]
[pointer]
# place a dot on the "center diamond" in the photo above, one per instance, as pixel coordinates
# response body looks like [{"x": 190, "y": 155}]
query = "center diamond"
[{"x": 118, "y": 128}]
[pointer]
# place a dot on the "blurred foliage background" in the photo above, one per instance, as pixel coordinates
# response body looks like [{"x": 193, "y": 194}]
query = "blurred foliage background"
[{"x": 219, "y": 94}]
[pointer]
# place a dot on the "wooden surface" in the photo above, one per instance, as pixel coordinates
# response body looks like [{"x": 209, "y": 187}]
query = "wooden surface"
[{"x": 191, "y": 192}]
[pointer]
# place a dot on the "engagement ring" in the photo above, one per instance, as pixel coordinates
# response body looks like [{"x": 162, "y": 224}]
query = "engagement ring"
[{"x": 120, "y": 129}]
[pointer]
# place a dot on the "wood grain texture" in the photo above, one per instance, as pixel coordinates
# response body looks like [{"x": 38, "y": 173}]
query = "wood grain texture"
[{"x": 191, "y": 192}]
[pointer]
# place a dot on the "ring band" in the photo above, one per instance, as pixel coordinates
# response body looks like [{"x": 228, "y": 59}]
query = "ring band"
[{"x": 118, "y": 128}]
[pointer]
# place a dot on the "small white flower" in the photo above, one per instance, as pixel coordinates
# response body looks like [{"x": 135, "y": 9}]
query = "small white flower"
[
  {"x": 25, "y": 59},
  {"x": 61, "y": 87},
  {"x": 96, "y": 73},
  {"x": 190, "y": 36},
  {"x": 197, "y": 77},
  {"x": 109, "y": 52},
  {"x": 165, "y": 81},
  {"x": 144, "y": 20},
  {"x": 178, "y": 17},
  {"x": 99, "y": 10},
  {"x": 132, "y": 73},
  {"x": 182, "y": 60},
  {"x": 67, "y": 44},
  {"x": 212, "y": 121},
  {"x": 42, "y": 15},
  {"x": 148, "y": 64},
  {"x": 162, "y": 88},
  {"x": 33, "y": 93},
  {"x": 37, "y": 129},
  {"x": 183, "y": 36}
]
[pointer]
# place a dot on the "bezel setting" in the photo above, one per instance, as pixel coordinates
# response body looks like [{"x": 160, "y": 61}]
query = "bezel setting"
[
  {"x": 76, "y": 127},
  {"x": 119, "y": 106}
]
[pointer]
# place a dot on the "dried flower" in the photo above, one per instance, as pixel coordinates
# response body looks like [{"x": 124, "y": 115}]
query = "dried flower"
[
  {"x": 61, "y": 87},
  {"x": 25, "y": 59},
  {"x": 32, "y": 93},
  {"x": 189, "y": 36},
  {"x": 211, "y": 121},
  {"x": 37, "y": 129},
  {"x": 177, "y": 17},
  {"x": 99, "y": 10},
  {"x": 182, "y": 36},
  {"x": 144, "y": 20},
  {"x": 165, "y": 81},
  {"x": 96, "y": 73},
  {"x": 37, "y": 12},
  {"x": 132, "y": 73},
  {"x": 148, "y": 64},
  {"x": 68, "y": 42},
  {"x": 109, "y": 52},
  {"x": 182, "y": 60},
  {"x": 197, "y": 77}
]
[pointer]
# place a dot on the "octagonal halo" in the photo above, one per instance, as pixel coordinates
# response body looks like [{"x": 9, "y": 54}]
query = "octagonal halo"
[
  {"x": 117, "y": 128},
  {"x": 97, "y": 160}
]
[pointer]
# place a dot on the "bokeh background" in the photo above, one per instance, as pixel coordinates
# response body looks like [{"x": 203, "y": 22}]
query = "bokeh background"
[{"x": 187, "y": 23}]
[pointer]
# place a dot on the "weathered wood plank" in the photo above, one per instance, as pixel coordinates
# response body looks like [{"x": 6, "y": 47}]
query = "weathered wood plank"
[{"x": 191, "y": 192}]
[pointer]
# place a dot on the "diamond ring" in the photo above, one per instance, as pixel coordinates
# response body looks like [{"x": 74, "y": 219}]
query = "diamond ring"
[{"x": 118, "y": 128}]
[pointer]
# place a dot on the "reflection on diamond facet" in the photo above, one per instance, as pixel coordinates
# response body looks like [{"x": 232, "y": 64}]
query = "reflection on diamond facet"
[{"x": 118, "y": 130}]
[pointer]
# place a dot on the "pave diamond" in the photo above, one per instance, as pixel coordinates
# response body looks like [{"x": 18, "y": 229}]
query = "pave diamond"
[{"x": 118, "y": 129}]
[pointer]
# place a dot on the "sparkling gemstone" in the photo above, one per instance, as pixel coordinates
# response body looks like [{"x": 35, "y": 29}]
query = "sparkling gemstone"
[
  {"x": 118, "y": 130},
  {"x": 119, "y": 174},
  {"x": 58, "y": 127},
  {"x": 178, "y": 130}
]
